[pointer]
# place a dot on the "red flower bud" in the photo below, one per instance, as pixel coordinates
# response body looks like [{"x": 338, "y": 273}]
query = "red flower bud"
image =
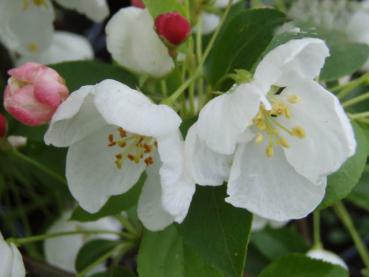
[
  {"x": 173, "y": 27},
  {"x": 138, "y": 3},
  {"x": 3, "y": 126}
]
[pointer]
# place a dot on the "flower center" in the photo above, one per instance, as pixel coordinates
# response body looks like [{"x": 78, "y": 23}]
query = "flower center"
[
  {"x": 134, "y": 148},
  {"x": 268, "y": 126}
]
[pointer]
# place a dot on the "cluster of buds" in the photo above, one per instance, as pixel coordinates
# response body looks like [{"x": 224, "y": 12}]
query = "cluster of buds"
[{"x": 33, "y": 93}]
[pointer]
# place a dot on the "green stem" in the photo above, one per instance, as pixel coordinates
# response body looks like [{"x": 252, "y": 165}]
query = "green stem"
[
  {"x": 198, "y": 71},
  {"x": 126, "y": 224},
  {"x": 39, "y": 166},
  {"x": 101, "y": 259},
  {"x": 347, "y": 88},
  {"x": 346, "y": 220},
  {"x": 355, "y": 100},
  {"x": 359, "y": 115},
  {"x": 316, "y": 226},
  {"x": 21, "y": 241}
]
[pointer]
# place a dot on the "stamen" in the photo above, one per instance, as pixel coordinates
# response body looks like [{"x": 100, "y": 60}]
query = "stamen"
[
  {"x": 269, "y": 151},
  {"x": 283, "y": 141},
  {"x": 293, "y": 99},
  {"x": 259, "y": 138},
  {"x": 298, "y": 132}
]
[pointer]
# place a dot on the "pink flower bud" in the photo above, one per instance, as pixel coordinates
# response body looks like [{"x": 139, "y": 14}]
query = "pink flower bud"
[
  {"x": 173, "y": 27},
  {"x": 3, "y": 126},
  {"x": 138, "y": 3},
  {"x": 33, "y": 93}
]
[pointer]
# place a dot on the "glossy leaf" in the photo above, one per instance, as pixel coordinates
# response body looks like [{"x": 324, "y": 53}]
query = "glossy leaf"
[{"x": 217, "y": 231}]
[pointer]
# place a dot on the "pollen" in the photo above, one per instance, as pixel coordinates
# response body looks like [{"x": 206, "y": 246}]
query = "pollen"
[
  {"x": 268, "y": 122},
  {"x": 298, "y": 132},
  {"x": 39, "y": 2},
  {"x": 293, "y": 99},
  {"x": 132, "y": 147},
  {"x": 32, "y": 47},
  {"x": 269, "y": 151},
  {"x": 259, "y": 138}
]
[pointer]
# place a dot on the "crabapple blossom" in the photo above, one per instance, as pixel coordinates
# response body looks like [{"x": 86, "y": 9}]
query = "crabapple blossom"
[
  {"x": 126, "y": 134},
  {"x": 33, "y": 93},
  {"x": 274, "y": 139}
]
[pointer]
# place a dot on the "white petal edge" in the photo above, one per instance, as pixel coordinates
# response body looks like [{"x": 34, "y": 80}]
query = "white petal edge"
[
  {"x": 270, "y": 187},
  {"x": 299, "y": 58},
  {"x": 130, "y": 109},
  {"x": 177, "y": 184},
  {"x": 207, "y": 167},
  {"x": 126, "y": 33},
  {"x": 74, "y": 119},
  {"x": 96, "y": 10},
  {"x": 329, "y": 138},
  {"x": 226, "y": 117},
  {"x": 150, "y": 209},
  {"x": 327, "y": 256}
]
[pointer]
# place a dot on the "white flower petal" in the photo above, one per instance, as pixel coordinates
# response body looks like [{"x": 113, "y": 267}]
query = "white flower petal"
[
  {"x": 300, "y": 58},
  {"x": 270, "y": 187},
  {"x": 91, "y": 173},
  {"x": 207, "y": 167},
  {"x": 96, "y": 10},
  {"x": 20, "y": 25},
  {"x": 209, "y": 23},
  {"x": 64, "y": 47},
  {"x": 226, "y": 117},
  {"x": 150, "y": 209},
  {"x": 133, "y": 111},
  {"x": 74, "y": 119},
  {"x": 329, "y": 139},
  {"x": 127, "y": 32},
  {"x": 177, "y": 185},
  {"x": 357, "y": 27},
  {"x": 71, "y": 244},
  {"x": 326, "y": 256},
  {"x": 11, "y": 262}
]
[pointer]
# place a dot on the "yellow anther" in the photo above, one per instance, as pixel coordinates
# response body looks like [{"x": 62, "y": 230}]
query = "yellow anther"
[
  {"x": 293, "y": 99},
  {"x": 283, "y": 141},
  {"x": 32, "y": 47},
  {"x": 38, "y": 2},
  {"x": 287, "y": 113},
  {"x": 259, "y": 138},
  {"x": 122, "y": 143},
  {"x": 298, "y": 132},
  {"x": 118, "y": 161},
  {"x": 269, "y": 151}
]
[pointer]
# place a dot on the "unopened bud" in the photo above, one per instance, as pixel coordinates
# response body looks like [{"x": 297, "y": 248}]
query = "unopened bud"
[
  {"x": 173, "y": 27},
  {"x": 33, "y": 93}
]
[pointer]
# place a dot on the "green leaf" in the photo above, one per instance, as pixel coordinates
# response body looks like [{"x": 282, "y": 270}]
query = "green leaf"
[
  {"x": 82, "y": 73},
  {"x": 115, "y": 272},
  {"x": 275, "y": 243},
  {"x": 241, "y": 42},
  {"x": 360, "y": 194},
  {"x": 115, "y": 205},
  {"x": 345, "y": 57},
  {"x": 217, "y": 231},
  {"x": 298, "y": 265},
  {"x": 92, "y": 251},
  {"x": 164, "y": 254},
  {"x": 341, "y": 183},
  {"x": 156, "y": 7}
]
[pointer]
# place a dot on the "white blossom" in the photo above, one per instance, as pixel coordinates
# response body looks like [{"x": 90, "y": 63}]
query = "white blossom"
[
  {"x": 134, "y": 44},
  {"x": 274, "y": 139},
  {"x": 327, "y": 256},
  {"x": 114, "y": 133}
]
